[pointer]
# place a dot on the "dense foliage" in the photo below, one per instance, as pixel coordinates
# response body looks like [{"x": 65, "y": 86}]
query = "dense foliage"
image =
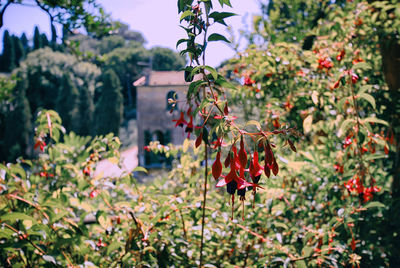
[
  {"x": 325, "y": 198},
  {"x": 68, "y": 78}
]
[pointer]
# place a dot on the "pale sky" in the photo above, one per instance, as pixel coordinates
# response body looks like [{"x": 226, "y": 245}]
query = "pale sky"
[{"x": 157, "y": 20}]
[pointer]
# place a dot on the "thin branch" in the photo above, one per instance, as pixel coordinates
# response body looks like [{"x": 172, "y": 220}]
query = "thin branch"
[
  {"x": 4, "y": 10},
  {"x": 204, "y": 204}
]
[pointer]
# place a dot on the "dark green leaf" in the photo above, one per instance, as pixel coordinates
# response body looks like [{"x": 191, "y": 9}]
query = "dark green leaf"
[{"x": 217, "y": 37}]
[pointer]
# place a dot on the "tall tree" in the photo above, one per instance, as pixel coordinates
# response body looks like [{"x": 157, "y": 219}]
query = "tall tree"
[
  {"x": 25, "y": 43},
  {"x": 126, "y": 62},
  {"x": 86, "y": 109},
  {"x": 45, "y": 41},
  {"x": 37, "y": 40},
  {"x": 76, "y": 14},
  {"x": 18, "y": 121},
  {"x": 165, "y": 59},
  {"x": 122, "y": 29},
  {"x": 53, "y": 34},
  {"x": 8, "y": 56},
  {"x": 109, "y": 108},
  {"x": 68, "y": 103},
  {"x": 19, "y": 50},
  {"x": 44, "y": 69}
]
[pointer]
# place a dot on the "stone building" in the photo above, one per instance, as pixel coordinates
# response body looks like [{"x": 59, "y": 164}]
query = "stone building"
[{"x": 154, "y": 120}]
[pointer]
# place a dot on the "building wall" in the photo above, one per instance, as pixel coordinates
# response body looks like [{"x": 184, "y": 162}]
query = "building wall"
[{"x": 153, "y": 116}]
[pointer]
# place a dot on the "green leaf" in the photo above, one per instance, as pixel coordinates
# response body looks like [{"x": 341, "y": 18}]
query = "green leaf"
[
  {"x": 344, "y": 126},
  {"x": 368, "y": 98},
  {"x": 6, "y": 233},
  {"x": 375, "y": 120},
  {"x": 374, "y": 204},
  {"x": 217, "y": 37},
  {"x": 212, "y": 71},
  {"x": 307, "y": 251},
  {"x": 364, "y": 88},
  {"x": 186, "y": 14},
  {"x": 226, "y": 2},
  {"x": 255, "y": 123},
  {"x": 17, "y": 216},
  {"x": 195, "y": 70},
  {"x": 113, "y": 246},
  {"x": 220, "y": 16},
  {"x": 301, "y": 264},
  {"x": 140, "y": 169},
  {"x": 193, "y": 87},
  {"x": 221, "y": 81},
  {"x": 362, "y": 66},
  {"x": 281, "y": 225},
  {"x": 180, "y": 41}
]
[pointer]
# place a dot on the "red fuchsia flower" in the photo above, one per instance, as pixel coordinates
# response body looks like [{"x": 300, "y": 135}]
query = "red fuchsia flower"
[
  {"x": 226, "y": 109},
  {"x": 248, "y": 81},
  {"x": 357, "y": 60},
  {"x": 369, "y": 193},
  {"x": 219, "y": 143},
  {"x": 358, "y": 22},
  {"x": 189, "y": 127},
  {"x": 41, "y": 144},
  {"x": 255, "y": 169},
  {"x": 340, "y": 56},
  {"x": 238, "y": 183},
  {"x": 386, "y": 149},
  {"x": 339, "y": 168},
  {"x": 354, "y": 78},
  {"x": 324, "y": 63},
  {"x": 301, "y": 73},
  {"x": 242, "y": 154},
  {"x": 336, "y": 85},
  {"x": 232, "y": 175},
  {"x": 181, "y": 121},
  {"x": 233, "y": 182},
  {"x": 147, "y": 148},
  {"x": 45, "y": 174},
  {"x": 347, "y": 142},
  {"x": 276, "y": 123},
  {"x": 235, "y": 158},
  {"x": 269, "y": 75},
  {"x": 288, "y": 105},
  {"x": 93, "y": 193},
  {"x": 217, "y": 167},
  {"x": 198, "y": 140},
  {"x": 86, "y": 170},
  {"x": 100, "y": 243}
]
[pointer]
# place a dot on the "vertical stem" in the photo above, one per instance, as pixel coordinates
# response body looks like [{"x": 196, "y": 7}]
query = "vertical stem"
[{"x": 204, "y": 203}]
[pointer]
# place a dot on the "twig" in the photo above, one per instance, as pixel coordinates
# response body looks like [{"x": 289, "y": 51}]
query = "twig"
[
  {"x": 183, "y": 224},
  {"x": 204, "y": 204}
]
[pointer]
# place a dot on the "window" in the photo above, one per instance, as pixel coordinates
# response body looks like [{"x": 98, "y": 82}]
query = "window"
[{"x": 173, "y": 96}]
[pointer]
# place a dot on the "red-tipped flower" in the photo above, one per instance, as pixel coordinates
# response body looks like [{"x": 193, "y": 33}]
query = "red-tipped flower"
[{"x": 181, "y": 121}]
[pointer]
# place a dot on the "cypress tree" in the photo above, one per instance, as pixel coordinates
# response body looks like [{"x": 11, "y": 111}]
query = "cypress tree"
[
  {"x": 37, "y": 40},
  {"x": 68, "y": 103},
  {"x": 25, "y": 43},
  {"x": 86, "y": 109},
  {"x": 53, "y": 34},
  {"x": 45, "y": 41},
  {"x": 109, "y": 108},
  {"x": 19, "y": 50},
  {"x": 18, "y": 122},
  {"x": 8, "y": 56},
  {"x": 53, "y": 42}
]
